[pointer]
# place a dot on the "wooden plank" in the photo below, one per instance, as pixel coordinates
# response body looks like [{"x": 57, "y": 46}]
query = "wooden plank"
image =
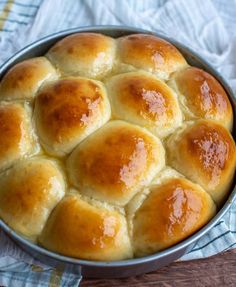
[{"x": 219, "y": 271}]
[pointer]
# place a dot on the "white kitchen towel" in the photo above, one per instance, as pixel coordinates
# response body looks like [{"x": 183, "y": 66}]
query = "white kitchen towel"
[{"x": 208, "y": 27}]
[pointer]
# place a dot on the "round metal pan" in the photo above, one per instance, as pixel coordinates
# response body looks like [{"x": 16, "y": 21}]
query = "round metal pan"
[{"x": 129, "y": 267}]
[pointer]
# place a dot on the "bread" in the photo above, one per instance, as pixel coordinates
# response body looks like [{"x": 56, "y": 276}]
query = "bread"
[
  {"x": 142, "y": 99},
  {"x": 67, "y": 111},
  {"x": 202, "y": 96},
  {"x": 112, "y": 149},
  {"x": 84, "y": 54},
  {"x": 17, "y": 138},
  {"x": 115, "y": 162},
  {"x": 28, "y": 193},
  {"x": 149, "y": 53},
  {"x": 80, "y": 229},
  {"x": 171, "y": 212},
  {"x": 23, "y": 80},
  {"x": 205, "y": 152}
]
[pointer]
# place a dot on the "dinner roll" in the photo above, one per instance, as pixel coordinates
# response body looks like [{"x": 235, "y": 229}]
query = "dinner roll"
[
  {"x": 67, "y": 111},
  {"x": 205, "y": 152},
  {"x": 28, "y": 193},
  {"x": 23, "y": 80},
  {"x": 142, "y": 99},
  {"x": 202, "y": 96},
  {"x": 171, "y": 212},
  {"x": 115, "y": 162},
  {"x": 135, "y": 203},
  {"x": 149, "y": 53},
  {"x": 88, "y": 231},
  {"x": 84, "y": 54},
  {"x": 16, "y": 135},
  {"x": 166, "y": 173}
]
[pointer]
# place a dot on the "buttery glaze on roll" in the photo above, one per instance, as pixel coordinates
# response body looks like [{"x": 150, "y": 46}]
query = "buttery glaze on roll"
[
  {"x": 28, "y": 193},
  {"x": 202, "y": 96},
  {"x": 205, "y": 152},
  {"x": 86, "y": 230},
  {"x": 149, "y": 53},
  {"x": 23, "y": 80},
  {"x": 16, "y": 135},
  {"x": 84, "y": 54},
  {"x": 115, "y": 162},
  {"x": 68, "y": 110},
  {"x": 172, "y": 211},
  {"x": 142, "y": 99}
]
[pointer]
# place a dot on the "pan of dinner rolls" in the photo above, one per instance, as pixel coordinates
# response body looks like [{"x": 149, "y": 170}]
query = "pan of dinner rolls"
[{"x": 117, "y": 150}]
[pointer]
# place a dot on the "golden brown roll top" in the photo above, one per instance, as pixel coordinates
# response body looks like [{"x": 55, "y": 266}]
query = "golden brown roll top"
[
  {"x": 142, "y": 99},
  {"x": 115, "y": 162},
  {"x": 23, "y": 80},
  {"x": 28, "y": 193},
  {"x": 172, "y": 211},
  {"x": 202, "y": 96},
  {"x": 80, "y": 229},
  {"x": 204, "y": 152},
  {"x": 149, "y": 53},
  {"x": 84, "y": 54},
  {"x": 68, "y": 110},
  {"x": 16, "y": 135}
]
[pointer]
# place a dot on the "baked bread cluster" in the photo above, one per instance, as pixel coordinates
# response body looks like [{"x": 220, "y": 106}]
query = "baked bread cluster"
[{"x": 112, "y": 148}]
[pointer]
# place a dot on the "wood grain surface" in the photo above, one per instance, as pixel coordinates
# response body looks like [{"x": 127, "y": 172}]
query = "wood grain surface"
[{"x": 219, "y": 270}]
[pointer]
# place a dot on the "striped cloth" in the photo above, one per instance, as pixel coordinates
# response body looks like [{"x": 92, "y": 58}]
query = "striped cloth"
[
  {"x": 208, "y": 27},
  {"x": 15, "y": 13}
]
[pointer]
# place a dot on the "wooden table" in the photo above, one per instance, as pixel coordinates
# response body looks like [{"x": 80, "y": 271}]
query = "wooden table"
[{"x": 219, "y": 270}]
